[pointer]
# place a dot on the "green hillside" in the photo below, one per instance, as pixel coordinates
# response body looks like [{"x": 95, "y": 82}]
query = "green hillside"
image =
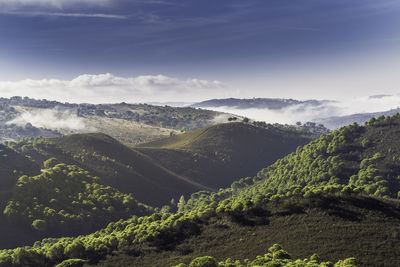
[
  {"x": 204, "y": 159},
  {"x": 12, "y": 165},
  {"x": 65, "y": 199},
  {"x": 41, "y": 205},
  {"x": 362, "y": 156},
  {"x": 116, "y": 165},
  {"x": 334, "y": 226},
  {"x": 365, "y": 158},
  {"x": 216, "y": 156}
]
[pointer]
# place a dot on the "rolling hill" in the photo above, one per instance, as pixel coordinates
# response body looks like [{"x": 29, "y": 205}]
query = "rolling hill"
[
  {"x": 216, "y": 156},
  {"x": 204, "y": 159},
  {"x": 153, "y": 174},
  {"x": 117, "y": 165}
]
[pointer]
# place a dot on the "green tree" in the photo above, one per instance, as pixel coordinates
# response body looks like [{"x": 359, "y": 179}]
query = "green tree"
[
  {"x": 181, "y": 204},
  {"x": 39, "y": 225},
  {"x": 50, "y": 163},
  {"x": 72, "y": 263},
  {"x": 206, "y": 261}
]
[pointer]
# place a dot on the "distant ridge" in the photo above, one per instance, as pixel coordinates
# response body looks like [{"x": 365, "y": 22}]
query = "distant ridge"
[
  {"x": 261, "y": 103},
  {"x": 339, "y": 121}
]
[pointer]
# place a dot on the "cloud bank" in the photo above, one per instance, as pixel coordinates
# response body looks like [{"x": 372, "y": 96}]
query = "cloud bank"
[
  {"x": 108, "y": 88},
  {"x": 288, "y": 115},
  {"x": 304, "y": 113},
  {"x": 51, "y": 119}
]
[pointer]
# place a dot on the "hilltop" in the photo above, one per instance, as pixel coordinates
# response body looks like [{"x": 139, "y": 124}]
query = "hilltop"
[{"x": 216, "y": 156}]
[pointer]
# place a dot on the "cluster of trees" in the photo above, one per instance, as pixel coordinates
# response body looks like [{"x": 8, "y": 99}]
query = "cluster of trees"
[
  {"x": 27, "y": 143},
  {"x": 67, "y": 198},
  {"x": 182, "y": 118},
  {"x": 160, "y": 230},
  {"x": 259, "y": 205},
  {"x": 276, "y": 256},
  {"x": 308, "y": 128}
]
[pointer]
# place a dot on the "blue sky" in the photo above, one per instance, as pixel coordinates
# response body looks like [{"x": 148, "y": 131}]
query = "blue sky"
[{"x": 219, "y": 48}]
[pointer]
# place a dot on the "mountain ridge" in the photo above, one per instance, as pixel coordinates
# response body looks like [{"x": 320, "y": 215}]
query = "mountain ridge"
[{"x": 259, "y": 103}]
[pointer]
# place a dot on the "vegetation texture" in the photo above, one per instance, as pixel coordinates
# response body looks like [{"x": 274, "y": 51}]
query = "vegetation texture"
[
  {"x": 66, "y": 199},
  {"x": 364, "y": 158}
]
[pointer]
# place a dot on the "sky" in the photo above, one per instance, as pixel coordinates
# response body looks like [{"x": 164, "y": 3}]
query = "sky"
[{"x": 192, "y": 50}]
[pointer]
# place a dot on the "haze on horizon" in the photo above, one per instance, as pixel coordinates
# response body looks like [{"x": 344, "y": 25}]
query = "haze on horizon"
[{"x": 160, "y": 51}]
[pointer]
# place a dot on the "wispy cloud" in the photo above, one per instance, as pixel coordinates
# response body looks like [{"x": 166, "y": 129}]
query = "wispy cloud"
[
  {"x": 51, "y": 3},
  {"x": 52, "y": 119},
  {"x": 60, "y": 14},
  {"x": 106, "y": 88}
]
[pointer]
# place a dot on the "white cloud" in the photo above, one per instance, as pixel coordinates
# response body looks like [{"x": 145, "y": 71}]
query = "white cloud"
[
  {"x": 58, "y": 14},
  {"x": 52, "y": 8},
  {"x": 303, "y": 113},
  {"x": 106, "y": 88},
  {"x": 288, "y": 115},
  {"x": 51, "y": 119},
  {"x": 51, "y": 3}
]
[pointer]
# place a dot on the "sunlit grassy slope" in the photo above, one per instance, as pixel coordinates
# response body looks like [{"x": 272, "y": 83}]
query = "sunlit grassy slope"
[{"x": 218, "y": 155}]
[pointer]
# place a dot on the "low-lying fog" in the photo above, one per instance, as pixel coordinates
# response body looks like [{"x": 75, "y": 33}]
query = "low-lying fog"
[{"x": 303, "y": 113}]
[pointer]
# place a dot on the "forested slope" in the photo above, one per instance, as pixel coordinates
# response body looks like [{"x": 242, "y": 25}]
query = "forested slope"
[
  {"x": 115, "y": 164},
  {"x": 12, "y": 165},
  {"x": 334, "y": 226},
  {"x": 365, "y": 158},
  {"x": 43, "y": 200},
  {"x": 65, "y": 199}
]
